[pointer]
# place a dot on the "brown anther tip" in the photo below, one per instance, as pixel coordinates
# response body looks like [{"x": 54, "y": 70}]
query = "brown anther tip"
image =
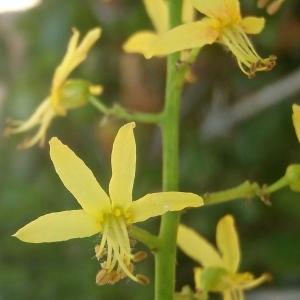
[
  {"x": 142, "y": 279},
  {"x": 251, "y": 75},
  {"x": 139, "y": 256},
  {"x": 268, "y": 276},
  {"x": 113, "y": 277},
  {"x": 262, "y": 3},
  {"x": 273, "y": 7},
  {"x": 102, "y": 277}
]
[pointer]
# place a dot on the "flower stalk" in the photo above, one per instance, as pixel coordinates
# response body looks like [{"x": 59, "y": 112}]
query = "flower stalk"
[{"x": 165, "y": 268}]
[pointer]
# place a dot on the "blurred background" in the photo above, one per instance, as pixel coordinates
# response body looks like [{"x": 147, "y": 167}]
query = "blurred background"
[{"x": 232, "y": 129}]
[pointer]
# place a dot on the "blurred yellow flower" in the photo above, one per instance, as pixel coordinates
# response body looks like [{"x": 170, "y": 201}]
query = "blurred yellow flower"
[
  {"x": 296, "y": 119},
  {"x": 224, "y": 25},
  {"x": 157, "y": 11},
  {"x": 110, "y": 215},
  {"x": 65, "y": 94},
  {"x": 219, "y": 267}
]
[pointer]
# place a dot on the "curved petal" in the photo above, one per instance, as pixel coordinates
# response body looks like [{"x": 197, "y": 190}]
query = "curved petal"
[
  {"x": 187, "y": 36},
  {"x": 75, "y": 55},
  {"x": 296, "y": 119},
  {"x": 252, "y": 283},
  {"x": 61, "y": 226},
  {"x": 79, "y": 179},
  {"x": 188, "y": 12},
  {"x": 139, "y": 42},
  {"x": 252, "y": 25},
  {"x": 157, "y": 204},
  {"x": 62, "y": 72},
  {"x": 197, "y": 247},
  {"x": 123, "y": 159},
  {"x": 218, "y": 9},
  {"x": 228, "y": 243},
  {"x": 157, "y": 11}
]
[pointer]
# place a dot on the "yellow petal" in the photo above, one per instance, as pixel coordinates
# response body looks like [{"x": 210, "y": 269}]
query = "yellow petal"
[
  {"x": 62, "y": 71},
  {"x": 296, "y": 119},
  {"x": 75, "y": 55},
  {"x": 218, "y": 9},
  {"x": 157, "y": 204},
  {"x": 252, "y": 25},
  {"x": 228, "y": 243},
  {"x": 197, "y": 278},
  {"x": 187, "y": 36},
  {"x": 79, "y": 179},
  {"x": 123, "y": 159},
  {"x": 252, "y": 283},
  {"x": 139, "y": 42},
  {"x": 58, "y": 227},
  {"x": 197, "y": 247},
  {"x": 188, "y": 11},
  {"x": 157, "y": 11}
]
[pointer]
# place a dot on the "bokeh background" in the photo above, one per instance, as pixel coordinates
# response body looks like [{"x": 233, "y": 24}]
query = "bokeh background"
[{"x": 232, "y": 129}]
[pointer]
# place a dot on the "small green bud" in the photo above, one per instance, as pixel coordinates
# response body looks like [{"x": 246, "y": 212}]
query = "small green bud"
[
  {"x": 74, "y": 94},
  {"x": 293, "y": 175}
]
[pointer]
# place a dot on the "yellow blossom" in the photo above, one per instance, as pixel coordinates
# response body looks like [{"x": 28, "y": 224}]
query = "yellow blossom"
[
  {"x": 110, "y": 215},
  {"x": 219, "y": 267},
  {"x": 65, "y": 94},
  {"x": 157, "y": 11},
  {"x": 223, "y": 24},
  {"x": 296, "y": 119}
]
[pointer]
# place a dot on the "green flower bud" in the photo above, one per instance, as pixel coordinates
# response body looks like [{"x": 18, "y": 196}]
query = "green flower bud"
[
  {"x": 74, "y": 94},
  {"x": 293, "y": 175}
]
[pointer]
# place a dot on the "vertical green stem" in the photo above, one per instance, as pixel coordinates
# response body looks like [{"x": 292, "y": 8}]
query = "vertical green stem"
[{"x": 165, "y": 259}]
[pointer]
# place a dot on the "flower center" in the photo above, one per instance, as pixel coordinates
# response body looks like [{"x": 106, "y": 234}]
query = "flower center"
[
  {"x": 115, "y": 251},
  {"x": 239, "y": 44}
]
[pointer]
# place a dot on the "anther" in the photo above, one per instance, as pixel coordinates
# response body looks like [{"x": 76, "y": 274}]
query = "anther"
[
  {"x": 262, "y": 3},
  {"x": 142, "y": 279},
  {"x": 274, "y": 7},
  {"x": 102, "y": 277},
  {"x": 139, "y": 256}
]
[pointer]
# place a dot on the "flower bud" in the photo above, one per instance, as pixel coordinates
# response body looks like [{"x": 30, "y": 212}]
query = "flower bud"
[
  {"x": 73, "y": 94},
  {"x": 293, "y": 175}
]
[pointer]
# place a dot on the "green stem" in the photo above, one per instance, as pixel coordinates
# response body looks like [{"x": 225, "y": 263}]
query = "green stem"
[
  {"x": 165, "y": 258},
  {"x": 244, "y": 190},
  {"x": 145, "y": 237},
  {"x": 119, "y": 112}
]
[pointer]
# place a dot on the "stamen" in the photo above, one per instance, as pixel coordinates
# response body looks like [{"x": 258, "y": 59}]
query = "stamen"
[
  {"x": 142, "y": 279},
  {"x": 139, "y": 256},
  {"x": 239, "y": 44}
]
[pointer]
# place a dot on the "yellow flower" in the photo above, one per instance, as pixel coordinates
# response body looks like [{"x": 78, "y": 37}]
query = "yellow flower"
[
  {"x": 296, "y": 119},
  {"x": 157, "y": 11},
  {"x": 65, "y": 94},
  {"x": 110, "y": 215},
  {"x": 219, "y": 267},
  {"x": 224, "y": 25}
]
